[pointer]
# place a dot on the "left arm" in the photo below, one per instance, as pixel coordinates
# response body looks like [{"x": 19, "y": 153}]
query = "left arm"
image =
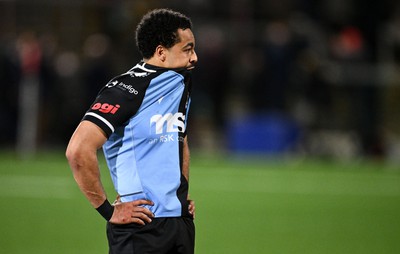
[
  {"x": 186, "y": 159},
  {"x": 185, "y": 172}
]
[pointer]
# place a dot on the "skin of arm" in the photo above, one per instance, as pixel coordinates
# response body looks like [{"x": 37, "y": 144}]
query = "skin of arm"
[
  {"x": 81, "y": 154},
  {"x": 186, "y": 159},
  {"x": 185, "y": 172}
]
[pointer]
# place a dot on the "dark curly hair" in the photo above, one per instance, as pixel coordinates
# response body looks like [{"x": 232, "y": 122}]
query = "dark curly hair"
[{"x": 159, "y": 27}]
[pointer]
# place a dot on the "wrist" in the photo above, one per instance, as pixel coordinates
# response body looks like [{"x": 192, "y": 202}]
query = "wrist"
[{"x": 106, "y": 210}]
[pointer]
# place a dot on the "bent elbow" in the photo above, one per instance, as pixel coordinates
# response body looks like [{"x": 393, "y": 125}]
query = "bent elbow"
[
  {"x": 72, "y": 156},
  {"x": 75, "y": 155}
]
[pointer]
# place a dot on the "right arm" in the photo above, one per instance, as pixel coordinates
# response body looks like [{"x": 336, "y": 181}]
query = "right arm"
[{"x": 82, "y": 158}]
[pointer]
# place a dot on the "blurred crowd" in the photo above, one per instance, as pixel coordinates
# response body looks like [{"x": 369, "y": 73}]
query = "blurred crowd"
[{"x": 313, "y": 77}]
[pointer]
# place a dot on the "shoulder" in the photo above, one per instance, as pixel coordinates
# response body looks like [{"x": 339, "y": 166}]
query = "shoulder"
[{"x": 135, "y": 81}]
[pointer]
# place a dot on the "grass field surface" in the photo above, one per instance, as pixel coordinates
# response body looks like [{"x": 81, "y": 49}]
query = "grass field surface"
[{"x": 243, "y": 205}]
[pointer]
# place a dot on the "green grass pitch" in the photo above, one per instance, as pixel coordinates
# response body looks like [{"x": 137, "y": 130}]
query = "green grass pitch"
[{"x": 243, "y": 205}]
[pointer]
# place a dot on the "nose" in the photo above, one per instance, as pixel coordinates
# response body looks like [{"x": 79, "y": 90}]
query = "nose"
[{"x": 193, "y": 58}]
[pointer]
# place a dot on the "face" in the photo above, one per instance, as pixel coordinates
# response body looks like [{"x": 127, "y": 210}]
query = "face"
[{"x": 182, "y": 54}]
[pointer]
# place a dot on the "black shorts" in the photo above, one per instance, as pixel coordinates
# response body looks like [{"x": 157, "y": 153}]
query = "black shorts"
[{"x": 162, "y": 235}]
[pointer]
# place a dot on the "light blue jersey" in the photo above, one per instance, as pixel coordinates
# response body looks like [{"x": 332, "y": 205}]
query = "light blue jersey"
[{"x": 144, "y": 113}]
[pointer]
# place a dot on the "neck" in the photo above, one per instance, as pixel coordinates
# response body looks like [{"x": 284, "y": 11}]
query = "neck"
[{"x": 154, "y": 61}]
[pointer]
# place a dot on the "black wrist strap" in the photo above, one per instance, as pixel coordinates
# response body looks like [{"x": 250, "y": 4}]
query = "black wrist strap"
[{"x": 106, "y": 210}]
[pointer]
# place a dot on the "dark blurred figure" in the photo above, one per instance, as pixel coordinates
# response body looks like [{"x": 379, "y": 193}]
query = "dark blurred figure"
[
  {"x": 270, "y": 92},
  {"x": 30, "y": 56},
  {"x": 350, "y": 48},
  {"x": 9, "y": 76},
  {"x": 97, "y": 64},
  {"x": 211, "y": 76}
]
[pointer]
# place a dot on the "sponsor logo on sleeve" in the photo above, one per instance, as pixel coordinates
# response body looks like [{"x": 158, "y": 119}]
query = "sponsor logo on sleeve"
[
  {"x": 106, "y": 108},
  {"x": 123, "y": 86},
  {"x": 112, "y": 84}
]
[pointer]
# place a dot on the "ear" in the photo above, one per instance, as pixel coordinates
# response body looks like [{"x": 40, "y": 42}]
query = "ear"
[{"x": 160, "y": 53}]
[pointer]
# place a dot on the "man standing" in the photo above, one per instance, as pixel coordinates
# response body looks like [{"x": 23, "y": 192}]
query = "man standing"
[{"x": 140, "y": 119}]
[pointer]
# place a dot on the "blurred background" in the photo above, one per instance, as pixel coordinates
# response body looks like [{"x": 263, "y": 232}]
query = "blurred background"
[
  {"x": 311, "y": 86},
  {"x": 290, "y": 77}
]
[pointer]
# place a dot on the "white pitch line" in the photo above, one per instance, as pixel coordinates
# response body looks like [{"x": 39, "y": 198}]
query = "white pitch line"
[{"x": 36, "y": 187}]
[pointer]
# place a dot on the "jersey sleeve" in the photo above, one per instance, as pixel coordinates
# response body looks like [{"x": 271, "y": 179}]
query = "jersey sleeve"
[{"x": 114, "y": 105}]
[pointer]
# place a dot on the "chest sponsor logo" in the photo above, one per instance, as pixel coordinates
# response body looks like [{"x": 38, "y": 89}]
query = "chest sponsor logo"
[
  {"x": 167, "y": 123},
  {"x": 106, "y": 108}
]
